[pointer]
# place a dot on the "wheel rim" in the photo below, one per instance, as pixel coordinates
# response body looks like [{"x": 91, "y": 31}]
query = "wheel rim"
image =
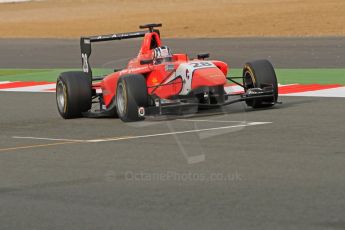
[
  {"x": 121, "y": 98},
  {"x": 248, "y": 79},
  {"x": 61, "y": 96}
]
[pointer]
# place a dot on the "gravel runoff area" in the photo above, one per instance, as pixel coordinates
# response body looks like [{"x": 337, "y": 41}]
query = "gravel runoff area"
[{"x": 181, "y": 18}]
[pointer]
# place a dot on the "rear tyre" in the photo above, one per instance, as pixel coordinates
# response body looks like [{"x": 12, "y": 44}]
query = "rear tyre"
[
  {"x": 73, "y": 94},
  {"x": 259, "y": 74},
  {"x": 131, "y": 93}
]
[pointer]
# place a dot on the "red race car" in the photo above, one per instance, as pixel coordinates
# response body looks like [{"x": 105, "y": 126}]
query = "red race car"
[{"x": 158, "y": 82}]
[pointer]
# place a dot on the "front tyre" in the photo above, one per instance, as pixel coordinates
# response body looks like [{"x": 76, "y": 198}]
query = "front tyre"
[
  {"x": 260, "y": 74},
  {"x": 131, "y": 94},
  {"x": 73, "y": 94}
]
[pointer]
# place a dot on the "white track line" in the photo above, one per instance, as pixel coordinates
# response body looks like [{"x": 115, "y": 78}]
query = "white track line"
[
  {"x": 221, "y": 121},
  {"x": 282, "y": 85},
  {"x": 177, "y": 132},
  {"x": 50, "y": 88},
  {"x": 5, "y": 82},
  {"x": 35, "y": 88},
  {"x": 334, "y": 92},
  {"x": 146, "y": 136}
]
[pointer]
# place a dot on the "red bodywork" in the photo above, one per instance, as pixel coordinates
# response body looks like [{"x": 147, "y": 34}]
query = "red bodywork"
[{"x": 175, "y": 75}]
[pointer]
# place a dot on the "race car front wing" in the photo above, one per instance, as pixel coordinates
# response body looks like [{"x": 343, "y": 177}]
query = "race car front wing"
[{"x": 183, "y": 106}]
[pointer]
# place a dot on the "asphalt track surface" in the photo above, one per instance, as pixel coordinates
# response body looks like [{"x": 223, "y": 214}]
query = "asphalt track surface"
[
  {"x": 322, "y": 52},
  {"x": 239, "y": 168}
]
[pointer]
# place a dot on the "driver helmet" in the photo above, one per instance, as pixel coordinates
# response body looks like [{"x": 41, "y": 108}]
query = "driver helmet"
[{"x": 162, "y": 54}]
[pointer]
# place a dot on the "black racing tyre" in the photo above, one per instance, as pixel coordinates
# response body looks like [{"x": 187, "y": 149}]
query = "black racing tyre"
[
  {"x": 131, "y": 93},
  {"x": 258, "y": 74},
  {"x": 73, "y": 94}
]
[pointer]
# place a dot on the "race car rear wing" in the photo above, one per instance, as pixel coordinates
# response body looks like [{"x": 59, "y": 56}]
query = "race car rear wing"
[{"x": 85, "y": 43}]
